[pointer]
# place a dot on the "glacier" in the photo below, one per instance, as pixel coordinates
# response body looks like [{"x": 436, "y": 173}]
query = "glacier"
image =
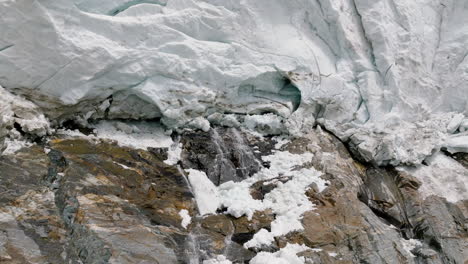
[{"x": 390, "y": 78}]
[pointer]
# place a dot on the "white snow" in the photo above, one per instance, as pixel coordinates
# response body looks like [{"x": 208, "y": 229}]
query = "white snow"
[
  {"x": 140, "y": 135},
  {"x": 73, "y": 133},
  {"x": 268, "y": 124},
  {"x": 286, "y": 255},
  {"x": 457, "y": 143},
  {"x": 11, "y": 146},
  {"x": 463, "y": 125},
  {"x": 409, "y": 245},
  {"x": 455, "y": 123},
  {"x": 206, "y": 193},
  {"x": 186, "y": 218},
  {"x": 262, "y": 237},
  {"x": 281, "y": 141},
  {"x": 236, "y": 196},
  {"x": 288, "y": 200},
  {"x": 444, "y": 177},
  {"x": 218, "y": 260},
  {"x": 19, "y": 111},
  {"x": 173, "y": 155},
  {"x": 357, "y": 65}
]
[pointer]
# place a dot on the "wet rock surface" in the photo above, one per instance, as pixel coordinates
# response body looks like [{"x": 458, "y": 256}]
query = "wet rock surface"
[
  {"x": 76, "y": 200},
  {"x": 223, "y": 153}
]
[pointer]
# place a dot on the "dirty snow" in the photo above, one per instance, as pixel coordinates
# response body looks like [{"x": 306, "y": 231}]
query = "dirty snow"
[
  {"x": 140, "y": 135},
  {"x": 410, "y": 244},
  {"x": 173, "y": 153},
  {"x": 13, "y": 145}
]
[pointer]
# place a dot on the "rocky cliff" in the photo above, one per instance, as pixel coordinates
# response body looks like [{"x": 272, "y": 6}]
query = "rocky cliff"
[
  {"x": 233, "y": 131},
  {"x": 81, "y": 199}
]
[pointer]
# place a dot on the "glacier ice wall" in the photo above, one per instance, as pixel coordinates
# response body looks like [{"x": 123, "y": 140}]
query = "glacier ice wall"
[{"x": 389, "y": 76}]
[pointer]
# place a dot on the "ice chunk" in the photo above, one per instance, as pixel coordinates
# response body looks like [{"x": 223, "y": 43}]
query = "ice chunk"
[
  {"x": 457, "y": 143},
  {"x": 455, "y": 123},
  {"x": 410, "y": 244},
  {"x": 267, "y": 124},
  {"x": 27, "y": 117},
  {"x": 286, "y": 255},
  {"x": 13, "y": 145},
  {"x": 173, "y": 154},
  {"x": 186, "y": 219},
  {"x": 206, "y": 193},
  {"x": 217, "y": 260}
]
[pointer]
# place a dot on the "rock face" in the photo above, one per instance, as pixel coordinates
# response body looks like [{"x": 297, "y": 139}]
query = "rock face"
[
  {"x": 225, "y": 156},
  {"x": 82, "y": 200},
  {"x": 86, "y": 205}
]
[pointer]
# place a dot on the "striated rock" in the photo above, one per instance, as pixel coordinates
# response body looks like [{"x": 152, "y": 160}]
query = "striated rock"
[
  {"x": 392, "y": 213},
  {"x": 222, "y": 153},
  {"x": 31, "y": 228},
  {"x": 122, "y": 204},
  {"x": 85, "y": 200}
]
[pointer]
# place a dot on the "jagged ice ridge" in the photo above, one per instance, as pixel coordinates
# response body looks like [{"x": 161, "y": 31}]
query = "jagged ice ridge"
[{"x": 389, "y": 77}]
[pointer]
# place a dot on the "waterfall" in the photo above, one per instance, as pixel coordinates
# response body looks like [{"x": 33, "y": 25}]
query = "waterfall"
[
  {"x": 192, "y": 245},
  {"x": 223, "y": 169},
  {"x": 192, "y": 249}
]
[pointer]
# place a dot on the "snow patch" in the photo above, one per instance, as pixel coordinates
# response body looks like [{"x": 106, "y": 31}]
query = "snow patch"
[
  {"x": 286, "y": 255},
  {"x": 288, "y": 200},
  {"x": 455, "y": 123},
  {"x": 262, "y": 237},
  {"x": 206, "y": 193},
  {"x": 443, "y": 176},
  {"x": 218, "y": 260},
  {"x": 13, "y": 145},
  {"x": 267, "y": 124},
  {"x": 173, "y": 154},
  {"x": 409, "y": 245},
  {"x": 16, "y": 111},
  {"x": 140, "y": 135},
  {"x": 281, "y": 141},
  {"x": 186, "y": 219},
  {"x": 74, "y": 133},
  {"x": 457, "y": 143}
]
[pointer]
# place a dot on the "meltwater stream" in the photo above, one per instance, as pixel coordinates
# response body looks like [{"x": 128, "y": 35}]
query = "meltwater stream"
[{"x": 192, "y": 245}]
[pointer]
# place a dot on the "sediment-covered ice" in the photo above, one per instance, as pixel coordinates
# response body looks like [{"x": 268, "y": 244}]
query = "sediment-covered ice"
[{"x": 381, "y": 74}]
